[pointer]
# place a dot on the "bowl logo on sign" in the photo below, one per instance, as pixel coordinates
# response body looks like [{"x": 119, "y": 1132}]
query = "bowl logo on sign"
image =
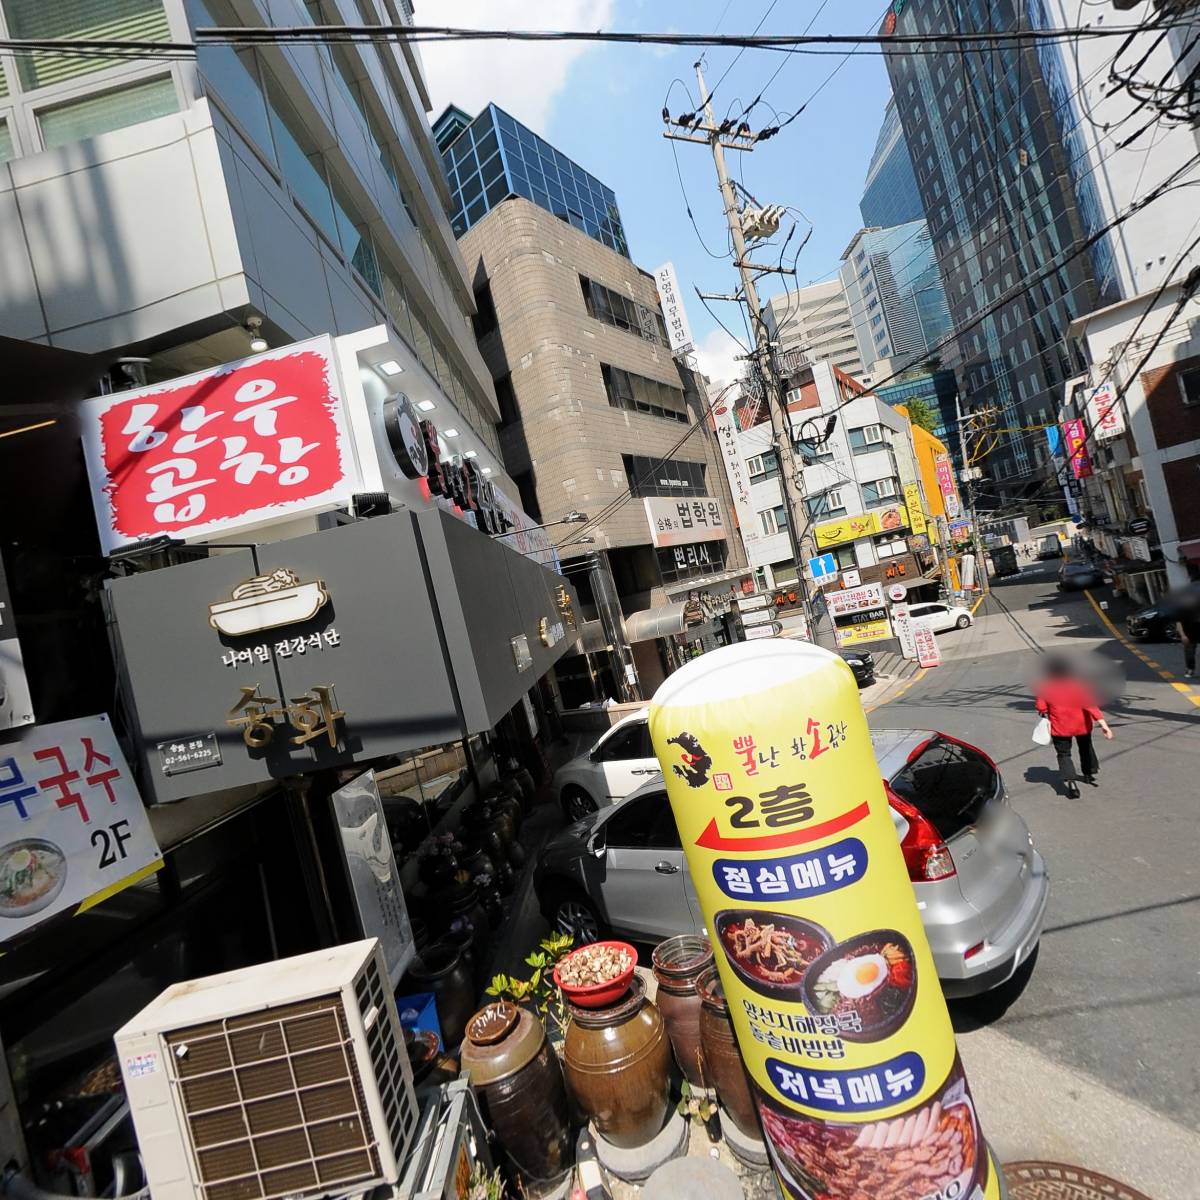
[{"x": 696, "y": 761}]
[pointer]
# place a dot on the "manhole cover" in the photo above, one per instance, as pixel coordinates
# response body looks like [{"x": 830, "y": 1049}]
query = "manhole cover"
[{"x": 1057, "y": 1181}]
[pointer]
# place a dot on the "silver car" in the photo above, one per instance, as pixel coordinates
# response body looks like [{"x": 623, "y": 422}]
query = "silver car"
[{"x": 980, "y": 885}]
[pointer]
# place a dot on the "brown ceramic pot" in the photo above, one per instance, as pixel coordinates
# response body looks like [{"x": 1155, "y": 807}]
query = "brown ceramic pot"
[
  {"x": 442, "y": 970},
  {"x": 518, "y": 1081},
  {"x": 617, "y": 1064},
  {"x": 678, "y": 962},
  {"x": 723, "y": 1066}
]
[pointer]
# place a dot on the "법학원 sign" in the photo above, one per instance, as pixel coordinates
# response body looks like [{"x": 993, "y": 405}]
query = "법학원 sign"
[
  {"x": 73, "y": 830},
  {"x": 676, "y": 521}
]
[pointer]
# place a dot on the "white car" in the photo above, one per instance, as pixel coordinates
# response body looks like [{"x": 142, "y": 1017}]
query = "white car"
[
  {"x": 943, "y": 616},
  {"x": 619, "y": 763}
]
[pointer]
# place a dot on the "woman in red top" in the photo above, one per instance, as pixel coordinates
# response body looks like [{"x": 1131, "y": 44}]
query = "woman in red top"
[{"x": 1071, "y": 706}]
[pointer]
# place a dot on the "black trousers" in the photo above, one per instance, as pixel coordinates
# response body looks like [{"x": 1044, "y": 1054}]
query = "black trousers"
[
  {"x": 1088, "y": 763},
  {"x": 1189, "y": 655}
]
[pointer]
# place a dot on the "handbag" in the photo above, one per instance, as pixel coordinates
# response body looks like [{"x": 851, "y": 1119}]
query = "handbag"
[{"x": 1041, "y": 732}]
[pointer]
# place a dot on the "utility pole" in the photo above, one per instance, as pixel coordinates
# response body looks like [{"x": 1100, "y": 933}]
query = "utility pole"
[
  {"x": 969, "y": 476},
  {"x": 719, "y": 138}
]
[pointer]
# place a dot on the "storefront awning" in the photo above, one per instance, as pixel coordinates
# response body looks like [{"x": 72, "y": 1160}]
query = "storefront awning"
[{"x": 663, "y": 621}]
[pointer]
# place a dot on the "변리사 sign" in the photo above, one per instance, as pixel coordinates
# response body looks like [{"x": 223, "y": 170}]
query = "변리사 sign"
[
  {"x": 245, "y": 445},
  {"x": 679, "y": 522},
  {"x": 72, "y": 827},
  {"x": 1104, "y": 413},
  {"x": 679, "y": 333},
  {"x": 832, "y": 989}
]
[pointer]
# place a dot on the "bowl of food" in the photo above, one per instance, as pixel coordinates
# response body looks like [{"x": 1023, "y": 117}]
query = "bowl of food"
[
  {"x": 933, "y": 1150},
  {"x": 597, "y": 974},
  {"x": 32, "y": 873},
  {"x": 869, "y": 981},
  {"x": 770, "y": 952}
]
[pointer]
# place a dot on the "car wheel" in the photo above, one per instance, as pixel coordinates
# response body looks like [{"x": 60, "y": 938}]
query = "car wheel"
[
  {"x": 575, "y": 915},
  {"x": 577, "y": 804},
  {"x": 962, "y": 622}
]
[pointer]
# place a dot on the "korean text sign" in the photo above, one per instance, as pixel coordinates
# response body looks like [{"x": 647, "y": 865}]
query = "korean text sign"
[
  {"x": 831, "y": 985},
  {"x": 678, "y": 521},
  {"x": 72, "y": 827},
  {"x": 1104, "y": 413},
  {"x": 256, "y": 441},
  {"x": 1075, "y": 436}
]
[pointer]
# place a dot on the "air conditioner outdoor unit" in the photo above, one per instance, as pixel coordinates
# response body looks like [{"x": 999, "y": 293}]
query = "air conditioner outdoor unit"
[{"x": 285, "y": 1079}]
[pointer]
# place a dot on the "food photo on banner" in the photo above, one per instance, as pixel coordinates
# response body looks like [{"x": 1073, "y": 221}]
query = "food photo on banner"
[{"x": 831, "y": 984}]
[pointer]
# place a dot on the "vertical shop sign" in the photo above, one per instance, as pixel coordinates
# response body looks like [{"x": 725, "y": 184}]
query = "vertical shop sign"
[
  {"x": 929, "y": 654},
  {"x": 831, "y": 984},
  {"x": 16, "y": 707},
  {"x": 679, "y": 333},
  {"x": 1104, "y": 413},
  {"x": 916, "y": 511},
  {"x": 944, "y": 470},
  {"x": 902, "y": 623},
  {"x": 1075, "y": 436},
  {"x": 73, "y": 830},
  {"x": 374, "y": 878},
  {"x": 735, "y": 470}
]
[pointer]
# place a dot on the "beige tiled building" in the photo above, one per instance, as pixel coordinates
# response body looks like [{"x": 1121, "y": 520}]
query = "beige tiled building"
[{"x": 594, "y": 408}]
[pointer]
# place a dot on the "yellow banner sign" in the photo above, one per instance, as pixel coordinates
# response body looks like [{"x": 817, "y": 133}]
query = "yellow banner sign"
[
  {"x": 912, "y": 501},
  {"x": 847, "y": 529},
  {"x": 831, "y": 984},
  {"x": 871, "y": 631}
]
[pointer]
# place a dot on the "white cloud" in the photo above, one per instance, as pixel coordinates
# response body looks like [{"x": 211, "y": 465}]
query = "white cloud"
[
  {"x": 717, "y": 353},
  {"x": 522, "y": 77}
]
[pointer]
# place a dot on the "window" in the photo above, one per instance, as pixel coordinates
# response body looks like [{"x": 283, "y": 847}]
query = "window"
[
  {"x": 7, "y": 150},
  {"x": 828, "y": 503},
  {"x": 763, "y": 466},
  {"x": 690, "y": 562},
  {"x": 866, "y": 439},
  {"x": 844, "y": 557},
  {"x": 105, "y": 111},
  {"x": 891, "y": 546},
  {"x": 630, "y": 741},
  {"x": 484, "y": 321},
  {"x": 643, "y": 824},
  {"x": 355, "y": 240},
  {"x": 636, "y": 393},
  {"x": 774, "y": 520},
  {"x": 620, "y": 311},
  {"x": 947, "y": 783},
  {"x": 1189, "y": 385},
  {"x": 882, "y": 491},
  {"x": 117, "y": 20},
  {"x": 663, "y": 476},
  {"x": 300, "y": 161}
]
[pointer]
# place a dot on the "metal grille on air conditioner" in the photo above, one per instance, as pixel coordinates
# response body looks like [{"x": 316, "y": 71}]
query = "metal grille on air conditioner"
[{"x": 278, "y": 1095}]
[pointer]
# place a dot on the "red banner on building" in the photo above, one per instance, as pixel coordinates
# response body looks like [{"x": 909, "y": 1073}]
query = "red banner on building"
[{"x": 1075, "y": 436}]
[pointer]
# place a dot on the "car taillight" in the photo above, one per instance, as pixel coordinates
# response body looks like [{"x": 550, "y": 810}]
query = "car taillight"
[{"x": 925, "y": 853}]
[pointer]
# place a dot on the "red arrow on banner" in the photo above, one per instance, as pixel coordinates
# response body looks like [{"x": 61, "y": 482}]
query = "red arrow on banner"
[{"x": 710, "y": 839}]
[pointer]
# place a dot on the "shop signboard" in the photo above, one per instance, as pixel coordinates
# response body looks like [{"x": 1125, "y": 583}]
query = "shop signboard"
[
  {"x": 851, "y": 579},
  {"x": 764, "y": 631},
  {"x": 944, "y": 470},
  {"x": 866, "y": 595},
  {"x": 679, "y": 333},
  {"x": 252, "y": 443},
  {"x": 1139, "y": 548},
  {"x": 858, "y": 628},
  {"x": 929, "y": 653},
  {"x": 832, "y": 988},
  {"x": 1075, "y": 437},
  {"x": 16, "y": 706},
  {"x": 847, "y": 529},
  {"x": 736, "y": 472},
  {"x": 896, "y": 592},
  {"x": 680, "y": 521},
  {"x": 915, "y": 507},
  {"x": 745, "y": 603},
  {"x": 902, "y": 623},
  {"x": 758, "y": 616},
  {"x": 1104, "y": 416},
  {"x": 374, "y": 877},
  {"x": 73, "y": 830}
]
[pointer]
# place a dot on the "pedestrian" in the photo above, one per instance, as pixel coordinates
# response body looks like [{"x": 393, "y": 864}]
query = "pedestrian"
[
  {"x": 1189, "y": 634},
  {"x": 1070, "y": 705}
]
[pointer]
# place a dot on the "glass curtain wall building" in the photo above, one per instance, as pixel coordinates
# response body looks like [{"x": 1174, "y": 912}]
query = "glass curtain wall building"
[
  {"x": 997, "y": 194},
  {"x": 495, "y": 157},
  {"x": 897, "y": 302},
  {"x": 890, "y": 193},
  {"x": 939, "y": 388}
]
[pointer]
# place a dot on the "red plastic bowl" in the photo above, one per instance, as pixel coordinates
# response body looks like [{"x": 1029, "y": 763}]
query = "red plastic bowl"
[{"x": 597, "y": 995}]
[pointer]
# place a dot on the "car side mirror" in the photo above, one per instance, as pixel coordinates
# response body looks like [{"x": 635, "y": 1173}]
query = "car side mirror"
[{"x": 598, "y": 843}]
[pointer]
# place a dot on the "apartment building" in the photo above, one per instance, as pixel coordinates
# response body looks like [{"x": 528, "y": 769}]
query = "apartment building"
[{"x": 813, "y": 324}]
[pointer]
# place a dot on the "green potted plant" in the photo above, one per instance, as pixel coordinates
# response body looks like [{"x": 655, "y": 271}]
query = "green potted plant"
[{"x": 539, "y": 992}]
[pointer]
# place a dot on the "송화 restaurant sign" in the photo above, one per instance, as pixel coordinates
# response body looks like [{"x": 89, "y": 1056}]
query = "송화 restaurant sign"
[
  {"x": 72, "y": 827},
  {"x": 246, "y": 444}
]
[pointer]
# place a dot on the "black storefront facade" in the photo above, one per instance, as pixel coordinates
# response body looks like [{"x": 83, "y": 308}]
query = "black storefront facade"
[{"x": 251, "y": 684}]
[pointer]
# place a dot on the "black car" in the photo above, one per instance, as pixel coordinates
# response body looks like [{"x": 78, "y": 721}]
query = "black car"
[
  {"x": 1076, "y": 576},
  {"x": 862, "y": 663},
  {"x": 1160, "y": 622}
]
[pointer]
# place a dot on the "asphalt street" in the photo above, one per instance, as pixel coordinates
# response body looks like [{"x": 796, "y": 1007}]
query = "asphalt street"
[{"x": 1115, "y": 992}]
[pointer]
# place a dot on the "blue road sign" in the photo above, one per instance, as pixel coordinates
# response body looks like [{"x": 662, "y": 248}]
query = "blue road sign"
[{"x": 822, "y": 566}]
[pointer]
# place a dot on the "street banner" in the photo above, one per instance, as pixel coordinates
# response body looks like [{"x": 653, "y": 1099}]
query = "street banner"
[
  {"x": 902, "y": 623},
  {"x": 1105, "y": 417},
  {"x": 679, "y": 333},
  {"x": 73, "y": 830},
  {"x": 831, "y": 985},
  {"x": 916, "y": 512},
  {"x": 1075, "y": 437},
  {"x": 929, "y": 654},
  {"x": 736, "y": 472}
]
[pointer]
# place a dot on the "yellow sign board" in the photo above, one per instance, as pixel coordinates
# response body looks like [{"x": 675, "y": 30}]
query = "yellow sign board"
[
  {"x": 847, "y": 529},
  {"x": 831, "y": 984},
  {"x": 912, "y": 501},
  {"x": 870, "y": 631}
]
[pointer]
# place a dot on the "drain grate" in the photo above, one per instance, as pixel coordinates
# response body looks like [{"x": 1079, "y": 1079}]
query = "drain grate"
[{"x": 1058, "y": 1181}]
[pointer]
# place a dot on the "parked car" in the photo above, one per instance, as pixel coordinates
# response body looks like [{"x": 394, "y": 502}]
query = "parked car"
[
  {"x": 1160, "y": 621},
  {"x": 982, "y": 886},
  {"x": 617, "y": 764},
  {"x": 943, "y": 616},
  {"x": 1077, "y": 576},
  {"x": 862, "y": 663}
]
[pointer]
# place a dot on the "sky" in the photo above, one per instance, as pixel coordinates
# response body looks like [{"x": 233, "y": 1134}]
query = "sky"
[{"x": 602, "y": 106}]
